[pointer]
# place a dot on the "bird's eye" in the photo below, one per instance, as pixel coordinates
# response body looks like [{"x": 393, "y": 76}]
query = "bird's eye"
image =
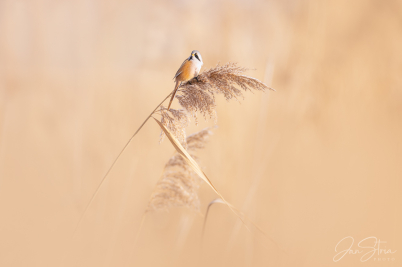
[{"x": 196, "y": 55}]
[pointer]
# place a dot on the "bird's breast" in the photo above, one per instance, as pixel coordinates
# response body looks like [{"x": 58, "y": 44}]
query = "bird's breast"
[{"x": 188, "y": 71}]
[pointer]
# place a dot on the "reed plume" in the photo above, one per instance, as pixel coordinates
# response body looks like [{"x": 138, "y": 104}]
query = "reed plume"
[
  {"x": 179, "y": 183},
  {"x": 198, "y": 96}
]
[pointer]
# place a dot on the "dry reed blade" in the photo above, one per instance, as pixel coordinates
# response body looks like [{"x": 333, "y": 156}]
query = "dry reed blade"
[
  {"x": 190, "y": 161},
  {"x": 193, "y": 164},
  {"x": 179, "y": 184}
]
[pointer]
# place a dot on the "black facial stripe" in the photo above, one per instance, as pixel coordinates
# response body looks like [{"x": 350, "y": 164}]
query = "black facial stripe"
[{"x": 196, "y": 55}]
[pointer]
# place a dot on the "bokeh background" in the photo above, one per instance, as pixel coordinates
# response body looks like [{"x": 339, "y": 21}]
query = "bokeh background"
[{"x": 316, "y": 161}]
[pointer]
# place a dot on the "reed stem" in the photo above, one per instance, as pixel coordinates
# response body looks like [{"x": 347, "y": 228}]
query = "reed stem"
[{"x": 114, "y": 162}]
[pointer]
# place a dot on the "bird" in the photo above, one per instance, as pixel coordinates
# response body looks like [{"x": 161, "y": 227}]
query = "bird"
[{"x": 188, "y": 70}]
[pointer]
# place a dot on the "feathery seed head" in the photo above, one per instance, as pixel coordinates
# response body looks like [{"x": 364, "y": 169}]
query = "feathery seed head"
[
  {"x": 179, "y": 183},
  {"x": 198, "y": 95}
]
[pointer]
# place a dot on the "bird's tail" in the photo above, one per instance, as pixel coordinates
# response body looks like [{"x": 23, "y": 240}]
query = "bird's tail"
[{"x": 174, "y": 93}]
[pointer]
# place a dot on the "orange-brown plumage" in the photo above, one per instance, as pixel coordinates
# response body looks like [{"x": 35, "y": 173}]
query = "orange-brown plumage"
[{"x": 188, "y": 70}]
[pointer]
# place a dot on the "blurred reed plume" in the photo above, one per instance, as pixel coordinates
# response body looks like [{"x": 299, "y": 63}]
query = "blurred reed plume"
[{"x": 179, "y": 183}]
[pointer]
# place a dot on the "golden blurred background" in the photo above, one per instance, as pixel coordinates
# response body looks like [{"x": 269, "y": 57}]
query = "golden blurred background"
[{"x": 316, "y": 161}]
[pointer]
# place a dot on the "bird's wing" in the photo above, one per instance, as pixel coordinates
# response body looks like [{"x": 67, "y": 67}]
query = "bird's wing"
[{"x": 180, "y": 69}]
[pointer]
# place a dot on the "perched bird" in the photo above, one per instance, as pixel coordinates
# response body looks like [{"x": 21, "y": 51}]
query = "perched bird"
[{"x": 188, "y": 70}]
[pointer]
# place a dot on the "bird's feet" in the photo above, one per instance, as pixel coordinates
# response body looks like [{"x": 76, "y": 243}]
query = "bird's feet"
[{"x": 190, "y": 82}]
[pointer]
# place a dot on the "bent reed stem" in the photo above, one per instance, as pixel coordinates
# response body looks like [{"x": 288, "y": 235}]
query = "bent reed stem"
[{"x": 114, "y": 162}]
